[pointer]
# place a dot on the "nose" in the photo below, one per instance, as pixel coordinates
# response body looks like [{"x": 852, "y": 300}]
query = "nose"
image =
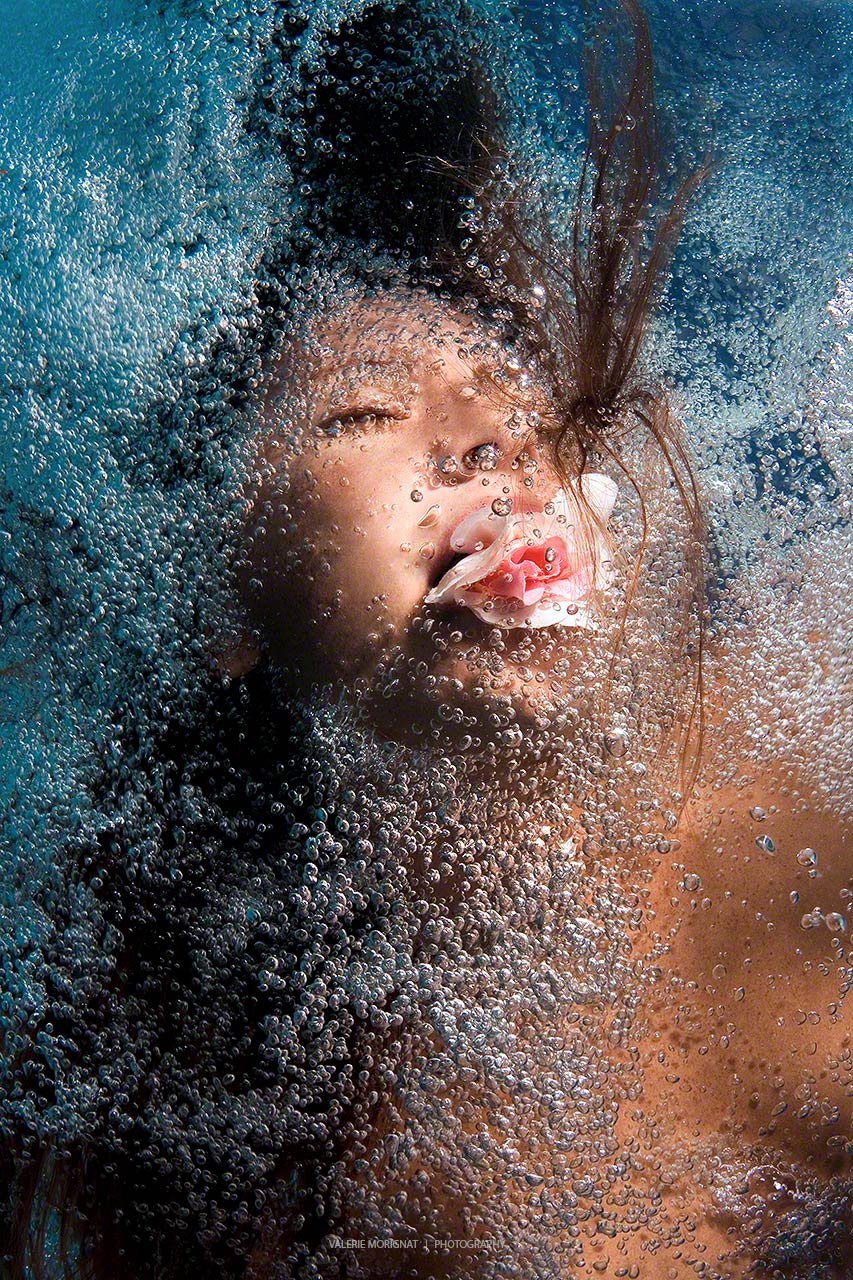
[{"x": 532, "y": 472}]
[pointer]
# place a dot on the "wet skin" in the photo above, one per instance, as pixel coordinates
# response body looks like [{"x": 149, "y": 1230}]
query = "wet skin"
[
  {"x": 407, "y": 419},
  {"x": 752, "y": 1039},
  {"x": 747, "y": 1048},
  {"x": 747, "y": 1038}
]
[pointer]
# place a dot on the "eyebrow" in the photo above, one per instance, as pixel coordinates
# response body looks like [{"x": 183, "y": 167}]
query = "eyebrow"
[
  {"x": 341, "y": 362},
  {"x": 359, "y": 367}
]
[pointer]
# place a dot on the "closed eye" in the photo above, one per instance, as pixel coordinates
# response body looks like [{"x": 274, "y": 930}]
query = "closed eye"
[{"x": 360, "y": 417}]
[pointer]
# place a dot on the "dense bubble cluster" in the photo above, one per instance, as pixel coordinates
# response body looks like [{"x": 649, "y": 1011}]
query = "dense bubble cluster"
[{"x": 426, "y": 822}]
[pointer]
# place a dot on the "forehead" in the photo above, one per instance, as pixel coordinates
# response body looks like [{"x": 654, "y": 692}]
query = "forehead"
[
  {"x": 403, "y": 335},
  {"x": 404, "y": 347}
]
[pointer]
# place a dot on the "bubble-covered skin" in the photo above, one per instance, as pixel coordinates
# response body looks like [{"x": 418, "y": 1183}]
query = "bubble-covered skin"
[
  {"x": 334, "y": 577},
  {"x": 118, "y": 594}
]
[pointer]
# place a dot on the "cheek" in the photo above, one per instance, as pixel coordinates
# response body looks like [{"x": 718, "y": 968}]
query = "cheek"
[
  {"x": 338, "y": 564},
  {"x": 361, "y": 515}
]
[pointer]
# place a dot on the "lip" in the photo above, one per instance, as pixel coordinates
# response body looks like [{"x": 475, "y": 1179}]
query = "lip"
[
  {"x": 446, "y": 556},
  {"x": 457, "y": 618},
  {"x": 448, "y": 618},
  {"x": 530, "y": 596}
]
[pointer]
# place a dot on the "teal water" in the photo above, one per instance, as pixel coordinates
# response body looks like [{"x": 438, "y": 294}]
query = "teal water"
[{"x": 143, "y": 190}]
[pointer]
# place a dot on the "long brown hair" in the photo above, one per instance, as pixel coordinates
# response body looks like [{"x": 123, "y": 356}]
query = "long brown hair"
[
  {"x": 600, "y": 288},
  {"x": 586, "y": 304},
  {"x": 614, "y": 286}
]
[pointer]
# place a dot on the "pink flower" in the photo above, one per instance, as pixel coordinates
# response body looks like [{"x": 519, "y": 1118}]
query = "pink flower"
[{"x": 534, "y": 569}]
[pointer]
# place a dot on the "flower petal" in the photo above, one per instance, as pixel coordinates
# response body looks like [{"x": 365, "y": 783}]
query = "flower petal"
[
  {"x": 504, "y": 577},
  {"x": 482, "y": 526},
  {"x": 600, "y": 492}
]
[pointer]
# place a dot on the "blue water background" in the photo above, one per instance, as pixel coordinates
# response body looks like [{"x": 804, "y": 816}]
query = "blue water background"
[{"x": 134, "y": 209}]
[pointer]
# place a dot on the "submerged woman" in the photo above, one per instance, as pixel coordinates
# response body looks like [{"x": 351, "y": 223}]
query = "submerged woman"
[{"x": 414, "y": 957}]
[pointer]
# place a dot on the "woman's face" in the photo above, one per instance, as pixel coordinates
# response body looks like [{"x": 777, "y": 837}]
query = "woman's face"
[{"x": 397, "y": 421}]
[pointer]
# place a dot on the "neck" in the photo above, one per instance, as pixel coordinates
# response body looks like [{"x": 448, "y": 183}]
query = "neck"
[{"x": 536, "y": 784}]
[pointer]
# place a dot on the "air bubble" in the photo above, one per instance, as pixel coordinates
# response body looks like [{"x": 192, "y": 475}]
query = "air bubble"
[
  {"x": 382, "y": 901},
  {"x": 484, "y": 458},
  {"x": 430, "y": 519},
  {"x": 617, "y": 741}
]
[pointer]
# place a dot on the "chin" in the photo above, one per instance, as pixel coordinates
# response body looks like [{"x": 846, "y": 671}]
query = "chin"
[
  {"x": 460, "y": 679},
  {"x": 527, "y": 687}
]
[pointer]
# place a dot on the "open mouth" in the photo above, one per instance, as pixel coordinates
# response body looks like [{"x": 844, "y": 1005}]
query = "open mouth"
[
  {"x": 443, "y": 563},
  {"x": 551, "y": 577},
  {"x": 519, "y": 584}
]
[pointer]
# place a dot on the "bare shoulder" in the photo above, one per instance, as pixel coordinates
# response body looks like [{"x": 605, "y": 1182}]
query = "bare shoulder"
[
  {"x": 754, "y": 904},
  {"x": 768, "y": 834}
]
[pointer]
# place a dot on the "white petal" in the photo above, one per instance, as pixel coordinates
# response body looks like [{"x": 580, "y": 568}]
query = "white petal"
[
  {"x": 600, "y": 492},
  {"x": 492, "y": 534},
  {"x": 481, "y": 527}
]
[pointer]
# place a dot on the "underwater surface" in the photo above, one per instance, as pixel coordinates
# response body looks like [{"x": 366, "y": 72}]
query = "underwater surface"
[{"x": 476, "y": 1021}]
